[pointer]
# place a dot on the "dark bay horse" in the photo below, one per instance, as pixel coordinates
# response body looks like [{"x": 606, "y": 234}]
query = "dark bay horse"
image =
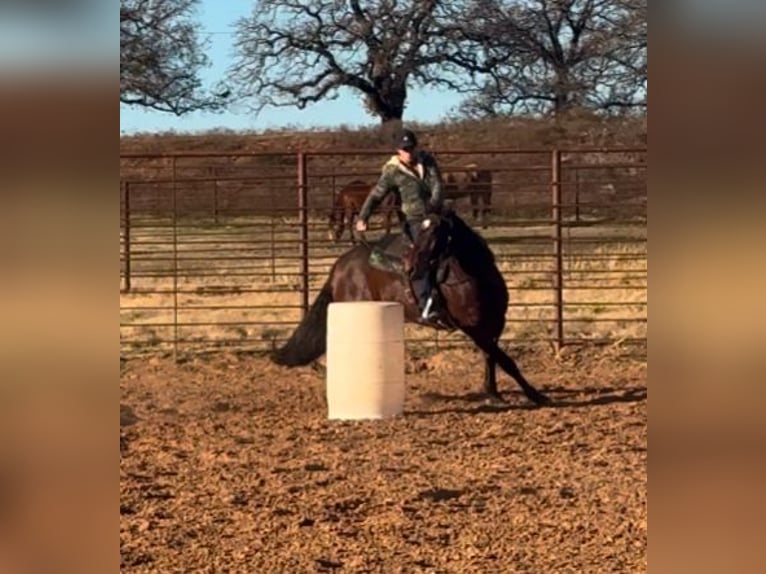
[
  {"x": 347, "y": 204},
  {"x": 474, "y": 292},
  {"x": 474, "y": 183}
]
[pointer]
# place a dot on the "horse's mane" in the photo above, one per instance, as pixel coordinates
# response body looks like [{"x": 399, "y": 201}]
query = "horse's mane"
[{"x": 468, "y": 246}]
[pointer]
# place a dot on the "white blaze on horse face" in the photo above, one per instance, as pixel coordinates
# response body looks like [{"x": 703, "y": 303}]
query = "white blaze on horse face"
[{"x": 426, "y": 223}]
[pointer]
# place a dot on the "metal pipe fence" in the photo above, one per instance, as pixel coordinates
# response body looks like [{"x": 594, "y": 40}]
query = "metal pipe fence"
[{"x": 225, "y": 251}]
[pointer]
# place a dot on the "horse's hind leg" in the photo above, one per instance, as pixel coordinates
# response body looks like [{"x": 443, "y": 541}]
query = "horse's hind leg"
[{"x": 487, "y": 209}]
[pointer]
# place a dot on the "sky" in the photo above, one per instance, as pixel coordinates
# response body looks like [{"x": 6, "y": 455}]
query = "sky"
[
  {"x": 38, "y": 36},
  {"x": 216, "y": 18}
]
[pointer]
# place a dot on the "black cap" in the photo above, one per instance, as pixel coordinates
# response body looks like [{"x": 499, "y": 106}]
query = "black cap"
[{"x": 408, "y": 141}]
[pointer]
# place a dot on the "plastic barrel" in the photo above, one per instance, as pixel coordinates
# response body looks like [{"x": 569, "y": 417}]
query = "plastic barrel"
[{"x": 365, "y": 360}]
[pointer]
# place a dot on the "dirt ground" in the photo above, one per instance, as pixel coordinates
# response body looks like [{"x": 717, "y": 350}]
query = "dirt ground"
[{"x": 229, "y": 464}]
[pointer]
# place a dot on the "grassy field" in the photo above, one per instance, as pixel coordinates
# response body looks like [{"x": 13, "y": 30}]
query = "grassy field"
[{"x": 237, "y": 284}]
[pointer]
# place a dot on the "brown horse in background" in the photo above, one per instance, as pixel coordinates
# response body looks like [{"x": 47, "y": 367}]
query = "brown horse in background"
[
  {"x": 474, "y": 183},
  {"x": 347, "y": 204}
]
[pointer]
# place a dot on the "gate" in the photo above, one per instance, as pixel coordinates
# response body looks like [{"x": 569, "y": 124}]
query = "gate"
[{"x": 225, "y": 251}]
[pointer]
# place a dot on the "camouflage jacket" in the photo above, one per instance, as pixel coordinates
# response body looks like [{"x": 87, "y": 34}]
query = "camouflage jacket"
[{"x": 420, "y": 190}]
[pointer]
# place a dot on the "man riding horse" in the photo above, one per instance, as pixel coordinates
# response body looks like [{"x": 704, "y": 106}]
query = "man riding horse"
[{"x": 414, "y": 174}]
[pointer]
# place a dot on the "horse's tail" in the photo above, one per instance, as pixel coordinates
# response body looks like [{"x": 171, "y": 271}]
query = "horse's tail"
[{"x": 309, "y": 340}]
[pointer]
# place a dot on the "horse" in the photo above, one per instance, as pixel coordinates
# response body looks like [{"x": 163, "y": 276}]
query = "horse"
[
  {"x": 347, "y": 204},
  {"x": 474, "y": 183},
  {"x": 473, "y": 290}
]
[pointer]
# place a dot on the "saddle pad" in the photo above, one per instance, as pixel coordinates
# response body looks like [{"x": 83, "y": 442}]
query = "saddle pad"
[{"x": 387, "y": 253}]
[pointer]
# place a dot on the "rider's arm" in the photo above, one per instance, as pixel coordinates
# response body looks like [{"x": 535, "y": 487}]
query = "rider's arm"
[{"x": 377, "y": 195}]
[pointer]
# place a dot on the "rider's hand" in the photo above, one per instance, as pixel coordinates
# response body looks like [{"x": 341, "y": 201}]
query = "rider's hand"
[{"x": 361, "y": 225}]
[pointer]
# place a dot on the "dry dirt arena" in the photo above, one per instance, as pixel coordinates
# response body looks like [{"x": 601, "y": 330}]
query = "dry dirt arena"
[{"x": 229, "y": 464}]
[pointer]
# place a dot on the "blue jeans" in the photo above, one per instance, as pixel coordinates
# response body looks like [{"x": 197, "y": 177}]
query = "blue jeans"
[
  {"x": 421, "y": 278},
  {"x": 411, "y": 228}
]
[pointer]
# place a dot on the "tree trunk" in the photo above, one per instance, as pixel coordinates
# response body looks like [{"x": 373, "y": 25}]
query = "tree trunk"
[
  {"x": 389, "y": 101},
  {"x": 389, "y": 115},
  {"x": 561, "y": 94},
  {"x": 389, "y": 131}
]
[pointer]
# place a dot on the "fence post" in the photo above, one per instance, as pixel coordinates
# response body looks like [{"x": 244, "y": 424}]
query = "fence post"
[
  {"x": 215, "y": 195},
  {"x": 577, "y": 195},
  {"x": 558, "y": 277},
  {"x": 126, "y": 235},
  {"x": 303, "y": 222},
  {"x": 175, "y": 260},
  {"x": 273, "y": 237}
]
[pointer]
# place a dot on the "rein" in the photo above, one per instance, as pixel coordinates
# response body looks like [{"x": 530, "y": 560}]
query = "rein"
[{"x": 361, "y": 238}]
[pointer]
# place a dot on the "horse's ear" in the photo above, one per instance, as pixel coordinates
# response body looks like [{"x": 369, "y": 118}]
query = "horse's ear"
[{"x": 448, "y": 213}]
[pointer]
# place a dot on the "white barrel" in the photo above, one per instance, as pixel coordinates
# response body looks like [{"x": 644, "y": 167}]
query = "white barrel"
[{"x": 365, "y": 360}]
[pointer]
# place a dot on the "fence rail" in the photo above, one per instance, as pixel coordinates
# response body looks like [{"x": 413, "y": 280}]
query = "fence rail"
[{"x": 225, "y": 251}]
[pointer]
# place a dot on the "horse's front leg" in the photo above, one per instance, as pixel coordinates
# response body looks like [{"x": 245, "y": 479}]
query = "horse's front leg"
[
  {"x": 490, "y": 381},
  {"x": 338, "y": 223},
  {"x": 491, "y": 350},
  {"x": 331, "y": 231}
]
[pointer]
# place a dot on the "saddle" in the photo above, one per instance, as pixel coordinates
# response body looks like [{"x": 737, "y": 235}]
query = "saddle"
[{"x": 393, "y": 253}]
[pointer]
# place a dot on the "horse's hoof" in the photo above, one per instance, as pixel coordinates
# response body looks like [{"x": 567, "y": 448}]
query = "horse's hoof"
[{"x": 540, "y": 399}]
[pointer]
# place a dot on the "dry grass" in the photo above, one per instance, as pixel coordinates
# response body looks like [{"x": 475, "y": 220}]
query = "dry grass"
[
  {"x": 517, "y": 133},
  {"x": 239, "y": 286}
]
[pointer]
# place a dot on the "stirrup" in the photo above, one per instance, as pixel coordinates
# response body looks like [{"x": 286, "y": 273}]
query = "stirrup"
[{"x": 426, "y": 315}]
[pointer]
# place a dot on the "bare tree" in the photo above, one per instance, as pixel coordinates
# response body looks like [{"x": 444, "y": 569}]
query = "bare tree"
[
  {"x": 559, "y": 55},
  {"x": 161, "y": 57},
  {"x": 296, "y": 52}
]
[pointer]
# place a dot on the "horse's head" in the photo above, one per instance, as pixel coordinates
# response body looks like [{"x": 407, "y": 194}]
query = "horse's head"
[
  {"x": 336, "y": 220},
  {"x": 346, "y": 204},
  {"x": 434, "y": 239}
]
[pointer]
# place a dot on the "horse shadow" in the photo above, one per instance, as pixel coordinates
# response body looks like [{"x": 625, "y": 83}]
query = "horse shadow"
[{"x": 561, "y": 398}]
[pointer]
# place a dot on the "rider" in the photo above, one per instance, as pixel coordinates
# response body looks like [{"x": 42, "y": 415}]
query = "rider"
[{"x": 415, "y": 174}]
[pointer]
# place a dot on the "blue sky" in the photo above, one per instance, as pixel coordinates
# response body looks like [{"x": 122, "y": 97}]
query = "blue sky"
[
  {"x": 37, "y": 36},
  {"x": 216, "y": 18}
]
